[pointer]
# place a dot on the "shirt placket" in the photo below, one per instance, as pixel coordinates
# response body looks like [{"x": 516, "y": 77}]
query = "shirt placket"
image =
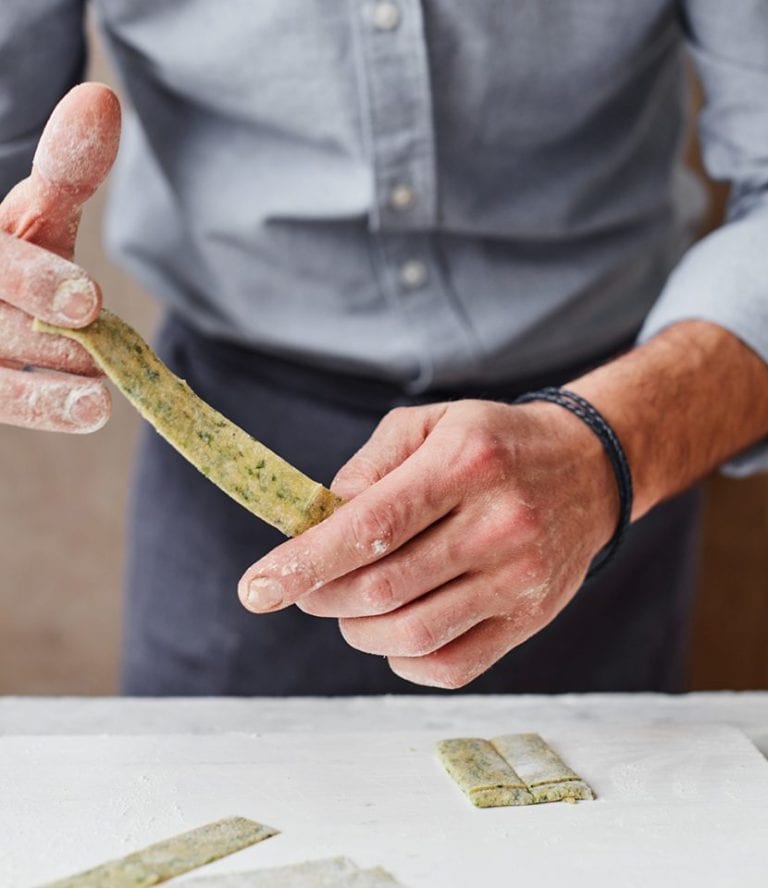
[{"x": 395, "y": 76}]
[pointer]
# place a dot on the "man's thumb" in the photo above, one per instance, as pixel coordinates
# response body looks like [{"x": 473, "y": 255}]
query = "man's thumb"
[{"x": 74, "y": 155}]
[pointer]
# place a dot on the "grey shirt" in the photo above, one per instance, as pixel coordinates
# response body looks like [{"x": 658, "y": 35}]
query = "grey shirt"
[{"x": 429, "y": 191}]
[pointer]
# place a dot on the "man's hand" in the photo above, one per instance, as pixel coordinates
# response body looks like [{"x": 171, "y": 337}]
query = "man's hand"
[
  {"x": 470, "y": 526},
  {"x": 38, "y": 225}
]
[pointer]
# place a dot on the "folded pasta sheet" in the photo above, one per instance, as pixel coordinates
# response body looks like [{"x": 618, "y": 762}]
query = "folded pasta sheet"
[
  {"x": 483, "y": 775},
  {"x": 545, "y": 774},
  {"x": 513, "y": 769}
]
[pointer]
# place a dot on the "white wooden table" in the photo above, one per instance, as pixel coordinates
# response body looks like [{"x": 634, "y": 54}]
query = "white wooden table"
[{"x": 682, "y": 793}]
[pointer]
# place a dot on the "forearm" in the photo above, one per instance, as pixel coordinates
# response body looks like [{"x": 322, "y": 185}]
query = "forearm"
[{"x": 681, "y": 404}]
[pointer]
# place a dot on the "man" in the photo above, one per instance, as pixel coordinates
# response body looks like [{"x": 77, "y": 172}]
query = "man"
[{"x": 428, "y": 205}]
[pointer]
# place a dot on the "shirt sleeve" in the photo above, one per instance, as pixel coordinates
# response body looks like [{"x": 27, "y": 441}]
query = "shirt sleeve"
[
  {"x": 724, "y": 277},
  {"x": 42, "y": 55}
]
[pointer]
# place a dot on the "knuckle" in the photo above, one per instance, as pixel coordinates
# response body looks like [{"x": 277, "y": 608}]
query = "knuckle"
[
  {"x": 392, "y": 421},
  {"x": 373, "y": 531},
  {"x": 418, "y": 637},
  {"x": 356, "y": 468},
  {"x": 502, "y": 525},
  {"x": 509, "y": 522},
  {"x": 360, "y": 469},
  {"x": 483, "y": 454},
  {"x": 396, "y": 416},
  {"x": 460, "y": 550},
  {"x": 525, "y": 521},
  {"x": 297, "y": 568},
  {"x": 496, "y": 531},
  {"x": 379, "y": 593}
]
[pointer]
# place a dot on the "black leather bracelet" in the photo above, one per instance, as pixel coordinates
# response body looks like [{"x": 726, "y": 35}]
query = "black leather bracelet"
[{"x": 609, "y": 439}]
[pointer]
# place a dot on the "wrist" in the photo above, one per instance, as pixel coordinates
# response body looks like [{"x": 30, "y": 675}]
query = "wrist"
[
  {"x": 636, "y": 440},
  {"x": 590, "y": 478},
  {"x": 681, "y": 404}
]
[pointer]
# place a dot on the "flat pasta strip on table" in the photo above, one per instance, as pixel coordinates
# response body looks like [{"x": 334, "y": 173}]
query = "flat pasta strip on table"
[
  {"x": 334, "y": 872},
  {"x": 172, "y": 857}
]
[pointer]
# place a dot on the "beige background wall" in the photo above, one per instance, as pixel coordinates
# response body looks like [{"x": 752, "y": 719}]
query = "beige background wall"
[{"x": 62, "y": 501}]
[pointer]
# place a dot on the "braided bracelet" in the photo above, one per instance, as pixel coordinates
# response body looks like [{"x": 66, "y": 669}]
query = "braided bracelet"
[{"x": 615, "y": 452}]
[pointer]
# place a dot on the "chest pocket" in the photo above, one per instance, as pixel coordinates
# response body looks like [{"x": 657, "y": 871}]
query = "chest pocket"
[
  {"x": 538, "y": 68},
  {"x": 282, "y": 63}
]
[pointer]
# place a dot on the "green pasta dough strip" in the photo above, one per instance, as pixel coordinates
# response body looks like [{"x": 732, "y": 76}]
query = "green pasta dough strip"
[
  {"x": 482, "y": 774},
  {"x": 246, "y": 470},
  {"x": 327, "y": 873},
  {"x": 545, "y": 774},
  {"x": 337, "y": 872},
  {"x": 162, "y": 861}
]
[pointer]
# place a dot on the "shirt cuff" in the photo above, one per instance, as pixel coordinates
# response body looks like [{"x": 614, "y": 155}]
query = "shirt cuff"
[{"x": 724, "y": 279}]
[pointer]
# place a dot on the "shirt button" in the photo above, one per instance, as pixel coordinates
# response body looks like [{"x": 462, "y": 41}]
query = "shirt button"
[
  {"x": 413, "y": 274},
  {"x": 386, "y": 15},
  {"x": 402, "y": 197}
]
